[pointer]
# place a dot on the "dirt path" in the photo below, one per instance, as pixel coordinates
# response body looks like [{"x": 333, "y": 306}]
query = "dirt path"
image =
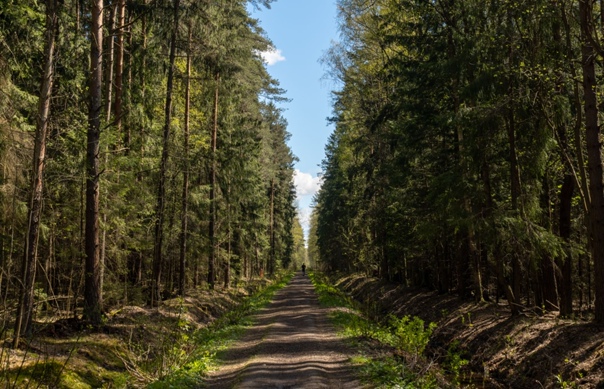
[{"x": 292, "y": 345}]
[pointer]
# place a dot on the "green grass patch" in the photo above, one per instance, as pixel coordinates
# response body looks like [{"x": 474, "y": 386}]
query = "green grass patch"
[
  {"x": 398, "y": 361},
  {"x": 192, "y": 365}
]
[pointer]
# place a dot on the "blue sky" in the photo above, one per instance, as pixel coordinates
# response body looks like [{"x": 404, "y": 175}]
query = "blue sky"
[{"x": 302, "y": 31}]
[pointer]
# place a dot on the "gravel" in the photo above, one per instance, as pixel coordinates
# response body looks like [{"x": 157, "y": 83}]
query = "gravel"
[{"x": 292, "y": 345}]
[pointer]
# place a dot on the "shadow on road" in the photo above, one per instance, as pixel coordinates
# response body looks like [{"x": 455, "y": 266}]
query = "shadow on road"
[{"x": 292, "y": 345}]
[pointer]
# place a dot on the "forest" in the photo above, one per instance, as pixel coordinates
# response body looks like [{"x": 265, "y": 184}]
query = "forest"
[
  {"x": 148, "y": 202},
  {"x": 467, "y": 154},
  {"x": 142, "y": 155}
]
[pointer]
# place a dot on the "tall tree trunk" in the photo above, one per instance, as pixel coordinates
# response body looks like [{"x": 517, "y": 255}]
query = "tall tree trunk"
[
  {"x": 119, "y": 71},
  {"x": 161, "y": 191},
  {"x": 581, "y": 181},
  {"x": 213, "y": 167},
  {"x": 185, "y": 178},
  {"x": 93, "y": 299},
  {"x": 227, "y": 261},
  {"x": 546, "y": 289},
  {"x": 26, "y": 290},
  {"x": 109, "y": 64},
  {"x": 594, "y": 156},
  {"x": 110, "y": 50},
  {"x": 516, "y": 285},
  {"x": 271, "y": 262},
  {"x": 565, "y": 282}
]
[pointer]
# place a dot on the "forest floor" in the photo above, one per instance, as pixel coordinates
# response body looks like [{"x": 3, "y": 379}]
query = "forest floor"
[
  {"x": 291, "y": 345},
  {"x": 529, "y": 351},
  {"x": 136, "y": 345},
  {"x": 140, "y": 345}
]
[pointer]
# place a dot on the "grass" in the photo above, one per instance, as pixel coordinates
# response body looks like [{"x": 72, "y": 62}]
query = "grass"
[
  {"x": 191, "y": 366},
  {"x": 141, "y": 348},
  {"x": 391, "y": 351}
]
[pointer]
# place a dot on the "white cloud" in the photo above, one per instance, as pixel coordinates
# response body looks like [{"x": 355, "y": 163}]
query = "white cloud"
[
  {"x": 304, "y": 217},
  {"x": 306, "y": 187},
  {"x": 272, "y": 56},
  {"x": 306, "y": 184}
]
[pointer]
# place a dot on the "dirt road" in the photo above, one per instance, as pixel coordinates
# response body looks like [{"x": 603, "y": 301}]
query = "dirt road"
[{"x": 292, "y": 345}]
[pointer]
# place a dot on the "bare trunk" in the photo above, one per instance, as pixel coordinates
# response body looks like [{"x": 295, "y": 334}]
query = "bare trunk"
[
  {"x": 227, "y": 262},
  {"x": 108, "y": 105},
  {"x": 594, "y": 157},
  {"x": 109, "y": 65},
  {"x": 565, "y": 284},
  {"x": 119, "y": 70},
  {"x": 185, "y": 179},
  {"x": 546, "y": 293},
  {"x": 213, "y": 166},
  {"x": 516, "y": 285},
  {"x": 26, "y": 292},
  {"x": 161, "y": 192},
  {"x": 93, "y": 300},
  {"x": 271, "y": 263}
]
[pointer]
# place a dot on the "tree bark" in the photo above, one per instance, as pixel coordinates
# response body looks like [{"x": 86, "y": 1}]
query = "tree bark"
[
  {"x": 185, "y": 178},
  {"x": 93, "y": 299},
  {"x": 26, "y": 290},
  {"x": 594, "y": 156},
  {"x": 119, "y": 72},
  {"x": 516, "y": 286},
  {"x": 161, "y": 191},
  {"x": 213, "y": 167},
  {"x": 565, "y": 284},
  {"x": 546, "y": 289},
  {"x": 110, "y": 49},
  {"x": 271, "y": 262}
]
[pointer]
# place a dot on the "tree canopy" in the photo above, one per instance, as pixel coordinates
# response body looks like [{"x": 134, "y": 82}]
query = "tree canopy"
[
  {"x": 461, "y": 159},
  {"x": 168, "y": 128}
]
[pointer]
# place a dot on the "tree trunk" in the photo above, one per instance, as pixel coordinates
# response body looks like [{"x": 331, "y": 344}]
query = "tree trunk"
[
  {"x": 161, "y": 191},
  {"x": 565, "y": 284},
  {"x": 26, "y": 292},
  {"x": 594, "y": 157},
  {"x": 119, "y": 71},
  {"x": 546, "y": 289},
  {"x": 272, "y": 229},
  {"x": 110, "y": 49},
  {"x": 93, "y": 299},
  {"x": 227, "y": 262},
  {"x": 185, "y": 178},
  {"x": 109, "y": 64},
  {"x": 213, "y": 166},
  {"x": 516, "y": 285}
]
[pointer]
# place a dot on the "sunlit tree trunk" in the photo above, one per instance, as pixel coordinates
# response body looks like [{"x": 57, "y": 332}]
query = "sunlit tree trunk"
[
  {"x": 185, "y": 178},
  {"x": 26, "y": 290},
  {"x": 213, "y": 167},
  {"x": 93, "y": 299},
  {"x": 109, "y": 57},
  {"x": 119, "y": 71},
  {"x": 161, "y": 191}
]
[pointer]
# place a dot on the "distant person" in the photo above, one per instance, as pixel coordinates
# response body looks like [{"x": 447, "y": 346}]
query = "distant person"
[{"x": 303, "y": 269}]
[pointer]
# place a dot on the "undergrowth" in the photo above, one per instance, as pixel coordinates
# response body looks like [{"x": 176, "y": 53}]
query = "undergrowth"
[
  {"x": 193, "y": 355},
  {"x": 399, "y": 361}
]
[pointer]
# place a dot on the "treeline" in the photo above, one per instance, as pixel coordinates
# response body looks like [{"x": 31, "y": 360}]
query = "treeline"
[
  {"x": 141, "y": 154},
  {"x": 467, "y": 155}
]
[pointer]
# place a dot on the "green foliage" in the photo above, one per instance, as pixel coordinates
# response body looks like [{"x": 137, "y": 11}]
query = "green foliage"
[
  {"x": 197, "y": 353},
  {"x": 447, "y": 149},
  {"x": 388, "y": 372},
  {"x": 408, "y": 336},
  {"x": 411, "y": 334},
  {"x": 454, "y": 362},
  {"x": 253, "y": 155}
]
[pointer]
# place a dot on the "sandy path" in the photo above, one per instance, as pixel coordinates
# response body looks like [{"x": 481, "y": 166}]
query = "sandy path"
[{"x": 292, "y": 345}]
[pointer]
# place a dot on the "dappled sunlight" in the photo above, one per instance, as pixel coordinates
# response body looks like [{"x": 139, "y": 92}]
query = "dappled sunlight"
[{"x": 291, "y": 345}]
